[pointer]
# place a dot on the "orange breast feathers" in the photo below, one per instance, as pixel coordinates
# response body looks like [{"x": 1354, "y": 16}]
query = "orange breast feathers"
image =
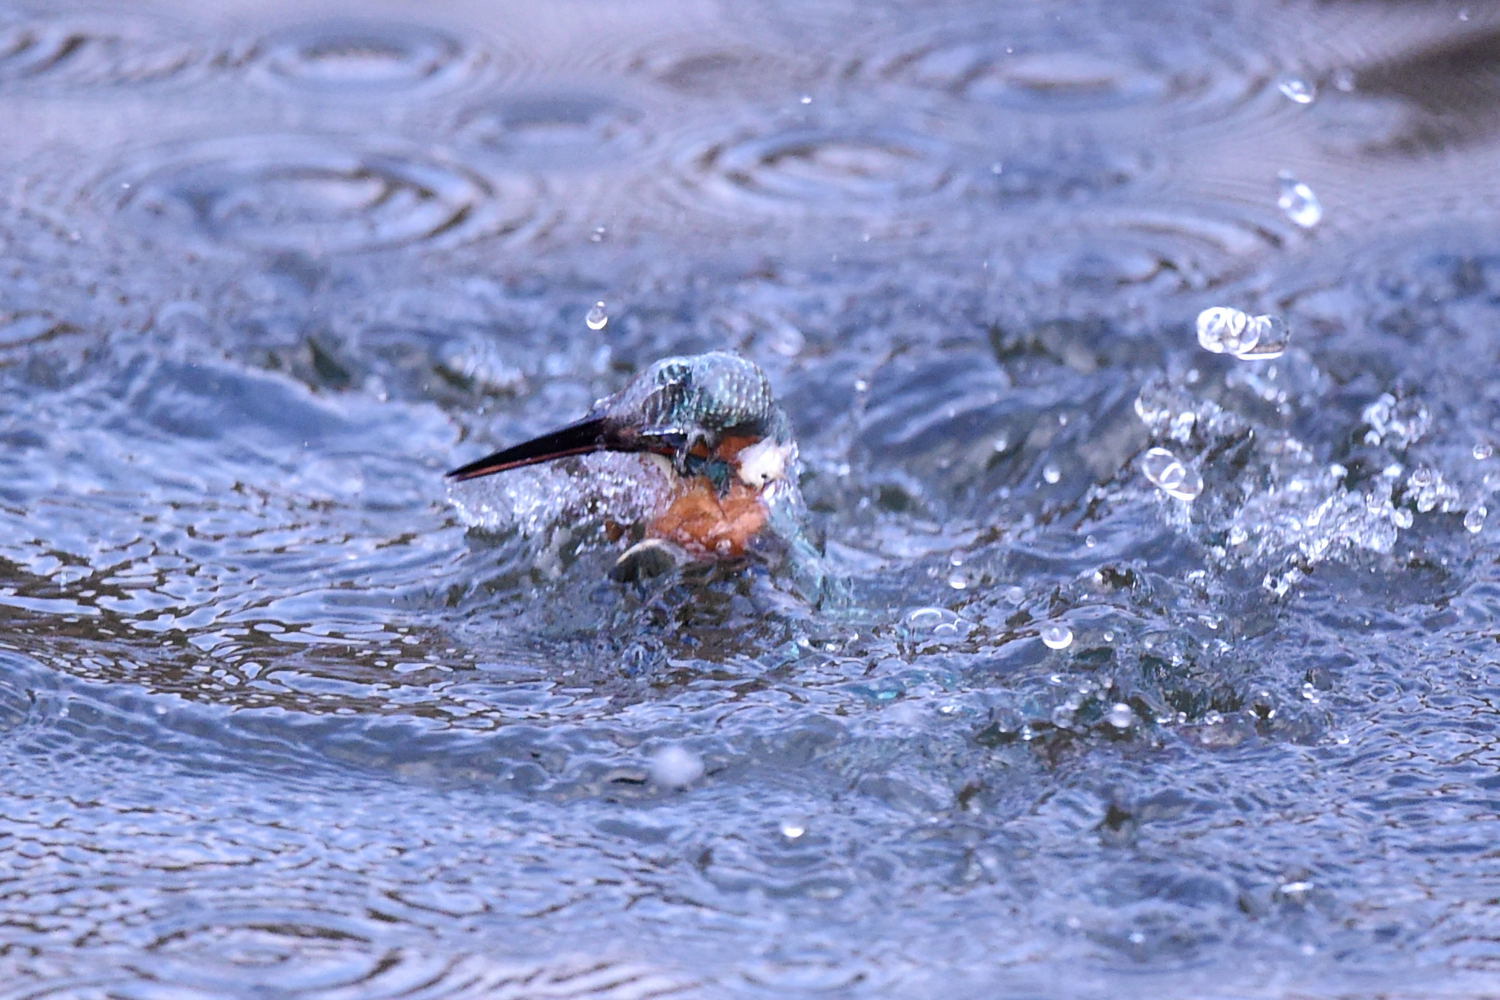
[{"x": 707, "y": 524}]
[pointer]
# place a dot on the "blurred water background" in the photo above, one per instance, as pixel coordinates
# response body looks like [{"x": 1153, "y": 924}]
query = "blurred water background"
[{"x": 1170, "y": 667}]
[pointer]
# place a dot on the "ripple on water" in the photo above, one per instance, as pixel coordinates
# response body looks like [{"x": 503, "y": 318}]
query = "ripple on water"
[
  {"x": 92, "y": 51},
  {"x": 25, "y": 329},
  {"x": 690, "y": 68},
  {"x": 1038, "y": 63},
  {"x": 317, "y": 194},
  {"x": 561, "y": 129},
  {"x": 365, "y": 59},
  {"x": 317, "y": 964},
  {"x": 871, "y": 174},
  {"x": 1180, "y": 246}
]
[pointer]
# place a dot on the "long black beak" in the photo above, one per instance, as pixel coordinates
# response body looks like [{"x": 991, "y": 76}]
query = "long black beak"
[
  {"x": 582, "y": 438},
  {"x": 576, "y": 439}
]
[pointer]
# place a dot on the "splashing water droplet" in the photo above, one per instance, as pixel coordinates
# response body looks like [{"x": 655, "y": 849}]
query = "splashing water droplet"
[
  {"x": 1224, "y": 330},
  {"x": 597, "y": 318},
  {"x": 1120, "y": 715},
  {"x": 1052, "y": 474},
  {"x": 1268, "y": 339},
  {"x": 1297, "y": 200},
  {"x": 792, "y": 829},
  {"x": 1474, "y": 519},
  {"x": 1482, "y": 451},
  {"x": 1170, "y": 476},
  {"x": 1056, "y": 636},
  {"x": 1297, "y": 90}
]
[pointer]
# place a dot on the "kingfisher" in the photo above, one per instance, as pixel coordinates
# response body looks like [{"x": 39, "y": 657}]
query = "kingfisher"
[{"x": 713, "y": 425}]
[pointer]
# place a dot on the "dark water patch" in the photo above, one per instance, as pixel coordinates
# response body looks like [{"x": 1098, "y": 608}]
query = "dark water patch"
[
  {"x": 366, "y": 60},
  {"x": 1451, "y": 89},
  {"x": 316, "y": 195},
  {"x": 94, "y": 51}
]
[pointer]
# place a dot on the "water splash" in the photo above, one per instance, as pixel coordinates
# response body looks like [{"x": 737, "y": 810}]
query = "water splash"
[
  {"x": 1170, "y": 475},
  {"x": 1226, "y": 330}
]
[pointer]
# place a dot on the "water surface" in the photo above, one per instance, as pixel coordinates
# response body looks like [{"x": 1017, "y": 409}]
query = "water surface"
[{"x": 283, "y": 716}]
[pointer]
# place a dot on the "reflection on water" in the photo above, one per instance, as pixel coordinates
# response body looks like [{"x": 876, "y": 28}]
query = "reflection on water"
[{"x": 1141, "y": 359}]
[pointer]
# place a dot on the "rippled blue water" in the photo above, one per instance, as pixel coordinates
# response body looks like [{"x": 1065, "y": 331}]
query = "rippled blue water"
[{"x": 282, "y": 716}]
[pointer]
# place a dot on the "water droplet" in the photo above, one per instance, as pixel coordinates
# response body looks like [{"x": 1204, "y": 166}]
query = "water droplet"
[
  {"x": 1120, "y": 715},
  {"x": 1224, "y": 330},
  {"x": 1056, "y": 636},
  {"x": 1402, "y": 517},
  {"x": 1269, "y": 336},
  {"x": 1052, "y": 474},
  {"x": 1297, "y": 90},
  {"x": 1170, "y": 476},
  {"x": 1474, "y": 519},
  {"x": 806, "y": 99},
  {"x": 1343, "y": 79},
  {"x": 597, "y": 318},
  {"x": 1297, "y": 200},
  {"x": 958, "y": 581},
  {"x": 792, "y": 829},
  {"x": 675, "y": 767},
  {"x": 598, "y": 234},
  {"x": 1482, "y": 451}
]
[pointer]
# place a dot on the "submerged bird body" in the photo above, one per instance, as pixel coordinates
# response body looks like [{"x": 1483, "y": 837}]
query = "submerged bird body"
[{"x": 714, "y": 425}]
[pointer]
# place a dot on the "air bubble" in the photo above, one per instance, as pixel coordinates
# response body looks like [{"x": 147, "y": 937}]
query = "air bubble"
[
  {"x": 1052, "y": 474},
  {"x": 1170, "y": 476},
  {"x": 793, "y": 829},
  {"x": 1120, "y": 715},
  {"x": 597, "y": 318},
  {"x": 1298, "y": 202},
  {"x": 1056, "y": 636},
  {"x": 1482, "y": 451}
]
